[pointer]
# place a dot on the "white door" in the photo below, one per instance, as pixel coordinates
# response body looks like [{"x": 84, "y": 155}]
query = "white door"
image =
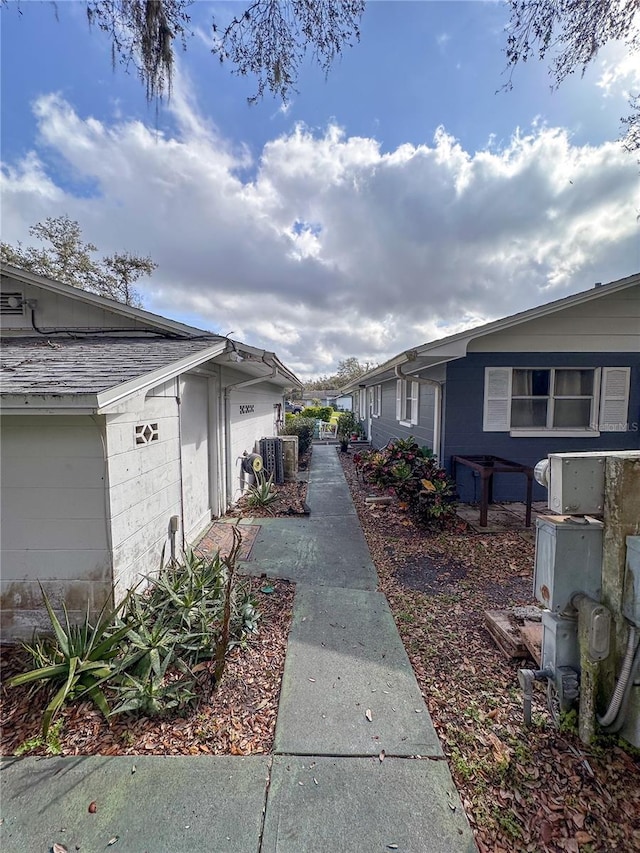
[{"x": 194, "y": 435}]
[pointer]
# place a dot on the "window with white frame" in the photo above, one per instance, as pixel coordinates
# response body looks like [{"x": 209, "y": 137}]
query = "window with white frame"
[
  {"x": 376, "y": 400},
  {"x": 407, "y": 402},
  {"x": 567, "y": 401},
  {"x": 362, "y": 404}
]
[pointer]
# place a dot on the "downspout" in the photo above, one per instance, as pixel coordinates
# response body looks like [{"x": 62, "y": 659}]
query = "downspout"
[
  {"x": 437, "y": 407},
  {"x": 227, "y": 420},
  {"x": 180, "y": 465}
]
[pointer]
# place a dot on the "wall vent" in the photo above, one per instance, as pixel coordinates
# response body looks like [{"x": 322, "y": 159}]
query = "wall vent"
[
  {"x": 146, "y": 433},
  {"x": 11, "y": 304}
]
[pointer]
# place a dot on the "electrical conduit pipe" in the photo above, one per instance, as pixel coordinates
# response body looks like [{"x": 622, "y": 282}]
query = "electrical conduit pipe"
[{"x": 627, "y": 664}]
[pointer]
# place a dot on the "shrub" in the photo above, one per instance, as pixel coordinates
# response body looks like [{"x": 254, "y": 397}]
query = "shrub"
[
  {"x": 303, "y": 428},
  {"x": 413, "y": 473},
  {"x": 348, "y": 424},
  {"x": 318, "y": 413}
]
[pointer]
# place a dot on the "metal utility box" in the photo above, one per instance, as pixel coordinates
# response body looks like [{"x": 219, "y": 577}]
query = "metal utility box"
[
  {"x": 568, "y": 560},
  {"x": 559, "y": 642},
  {"x": 576, "y": 483},
  {"x": 631, "y": 597}
]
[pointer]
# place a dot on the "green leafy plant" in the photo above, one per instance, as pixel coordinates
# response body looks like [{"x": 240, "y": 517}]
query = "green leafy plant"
[
  {"x": 152, "y": 693},
  {"x": 348, "y": 424},
  {"x": 318, "y": 413},
  {"x": 413, "y": 473},
  {"x": 78, "y": 661},
  {"x": 263, "y": 493},
  {"x": 51, "y": 742},
  {"x": 303, "y": 428}
]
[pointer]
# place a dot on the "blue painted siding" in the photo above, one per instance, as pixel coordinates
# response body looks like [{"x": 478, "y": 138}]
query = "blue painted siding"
[
  {"x": 386, "y": 427},
  {"x": 463, "y": 407}
]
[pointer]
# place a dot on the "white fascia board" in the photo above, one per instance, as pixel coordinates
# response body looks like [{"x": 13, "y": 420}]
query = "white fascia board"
[
  {"x": 49, "y": 404},
  {"x": 107, "y": 399}
]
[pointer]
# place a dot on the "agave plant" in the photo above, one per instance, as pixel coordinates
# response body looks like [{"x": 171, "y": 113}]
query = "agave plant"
[
  {"x": 152, "y": 693},
  {"x": 79, "y": 660},
  {"x": 263, "y": 493}
]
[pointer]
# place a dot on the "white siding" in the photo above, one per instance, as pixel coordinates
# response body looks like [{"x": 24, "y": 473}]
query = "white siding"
[
  {"x": 608, "y": 324},
  {"x": 248, "y": 427},
  {"x": 53, "y": 518},
  {"x": 144, "y": 487}
]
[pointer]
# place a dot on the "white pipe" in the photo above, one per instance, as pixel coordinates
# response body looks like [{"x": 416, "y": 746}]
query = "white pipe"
[{"x": 437, "y": 406}]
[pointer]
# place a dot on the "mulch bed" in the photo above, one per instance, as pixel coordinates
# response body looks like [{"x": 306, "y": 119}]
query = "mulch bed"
[
  {"x": 523, "y": 790},
  {"x": 292, "y": 496},
  {"x": 237, "y": 719}
]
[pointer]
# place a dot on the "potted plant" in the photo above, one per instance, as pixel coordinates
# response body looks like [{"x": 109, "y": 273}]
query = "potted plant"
[
  {"x": 343, "y": 438},
  {"x": 348, "y": 427}
]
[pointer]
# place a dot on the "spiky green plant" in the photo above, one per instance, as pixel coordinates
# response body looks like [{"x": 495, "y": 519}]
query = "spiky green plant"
[
  {"x": 263, "y": 493},
  {"x": 78, "y": 660}
]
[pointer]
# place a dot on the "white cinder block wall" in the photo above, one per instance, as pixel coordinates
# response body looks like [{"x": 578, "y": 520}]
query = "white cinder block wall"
[
  {"x": 144, "y": 482},
  {"x": 53, "y": 517},
  {"x": 252, "y": 417}
]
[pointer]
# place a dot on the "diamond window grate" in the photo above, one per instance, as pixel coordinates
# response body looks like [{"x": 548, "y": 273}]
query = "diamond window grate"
[{"x": 146, "y": 433}]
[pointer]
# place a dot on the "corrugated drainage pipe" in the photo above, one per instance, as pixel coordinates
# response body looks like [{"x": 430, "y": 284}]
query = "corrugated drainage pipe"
[{"x": 627, "y": 665}]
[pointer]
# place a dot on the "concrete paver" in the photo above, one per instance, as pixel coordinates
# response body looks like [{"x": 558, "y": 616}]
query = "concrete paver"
[
  {"x": 345, "y": 657},
  {"x": 362, "y": 805},
  {"x": 316, "y": 550},
  {"x": 177, "y": 804}
]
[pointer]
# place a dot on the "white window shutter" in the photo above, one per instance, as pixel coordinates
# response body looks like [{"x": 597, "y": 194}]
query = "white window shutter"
[
  {"x": 414, "y": 402},
  {"x": 614, "y": 399},
  {"x": 497, "y": 399},
  {"x": 398, "y": 399}
]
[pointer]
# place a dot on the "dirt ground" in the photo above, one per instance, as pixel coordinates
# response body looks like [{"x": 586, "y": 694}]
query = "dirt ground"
[{"x": 523, "y": 790}]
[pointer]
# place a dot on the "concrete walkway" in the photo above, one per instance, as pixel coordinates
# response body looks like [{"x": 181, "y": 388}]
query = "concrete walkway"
[{"x": 349, "y": 699}]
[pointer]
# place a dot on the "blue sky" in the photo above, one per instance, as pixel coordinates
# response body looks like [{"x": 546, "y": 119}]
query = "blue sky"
[{"x": 403, "y": 198}]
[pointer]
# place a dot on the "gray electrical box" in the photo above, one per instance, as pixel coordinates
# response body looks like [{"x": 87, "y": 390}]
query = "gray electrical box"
[
  {"x": 631, "y": 597},
  {"x": 568, "y": 560},
  {"x": 576, "y": 483},
  {"x": 559, "y": 642}
]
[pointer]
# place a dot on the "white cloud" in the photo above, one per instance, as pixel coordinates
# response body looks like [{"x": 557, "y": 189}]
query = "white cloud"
[
  {"x": 621, "y": 76},
  {"x": 333, "y": 248}
]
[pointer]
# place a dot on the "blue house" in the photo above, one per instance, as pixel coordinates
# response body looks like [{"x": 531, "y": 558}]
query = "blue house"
[{"x": 564, "y": 376}]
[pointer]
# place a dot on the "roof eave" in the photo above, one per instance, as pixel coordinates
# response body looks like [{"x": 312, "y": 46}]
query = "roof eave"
[
  {"x": 112, "y": 396},
  {"x": 44, "y": 404}
]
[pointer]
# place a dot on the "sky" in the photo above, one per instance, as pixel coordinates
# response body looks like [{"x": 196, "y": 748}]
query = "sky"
[{"x": 405, "y": 197}]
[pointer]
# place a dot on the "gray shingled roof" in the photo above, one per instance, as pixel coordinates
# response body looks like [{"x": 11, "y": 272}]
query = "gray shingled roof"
[{"x": 86, "y": 366}]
